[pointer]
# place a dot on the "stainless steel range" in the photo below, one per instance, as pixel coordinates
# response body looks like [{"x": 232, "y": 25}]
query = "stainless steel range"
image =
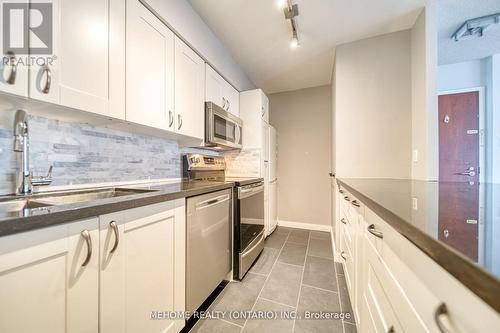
[{"x": 248, "y": 208}]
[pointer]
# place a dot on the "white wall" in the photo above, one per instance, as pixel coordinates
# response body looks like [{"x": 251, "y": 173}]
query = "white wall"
[
  {"x": 468, "y": 74},
  {"x": 303, "y": 120},
  {"x": 183, "y": 19},
  {"x": 373, "y": 107},
  {"x": 424, "y": 59}
]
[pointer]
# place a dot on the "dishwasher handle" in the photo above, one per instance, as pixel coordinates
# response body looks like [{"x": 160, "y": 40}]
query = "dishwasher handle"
[{"x": 212, "y": 202}]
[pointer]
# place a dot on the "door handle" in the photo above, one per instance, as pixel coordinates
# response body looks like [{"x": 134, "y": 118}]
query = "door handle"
[
  {"x": 179, "y": 118},
  {"x": 86, "y": 236},
  {"x": 117, "y": 236},
  {"x": 170, "y": 118},
  {"x": 375, "y": 232},
  {"x": 11, "y": 79},
  {"x": 441, "y": 310},
  {"x": 48, "y": 80}
]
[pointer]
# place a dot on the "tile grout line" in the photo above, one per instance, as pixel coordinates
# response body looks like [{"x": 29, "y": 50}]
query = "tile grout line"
[
  {"x": 282, "y": 304},
  {"x": 301, "y": 281},
  {"x": 322, "y": 289},
  {"x": 227, "y": 321},
  {"x": 267, "y": 278},
  {"x": 313, "y": 255}
]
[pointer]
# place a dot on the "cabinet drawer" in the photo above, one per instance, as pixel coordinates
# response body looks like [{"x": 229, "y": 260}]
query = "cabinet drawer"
[
  {"x": 348, "y": 257},
  {"x": 393, "y": 301}
]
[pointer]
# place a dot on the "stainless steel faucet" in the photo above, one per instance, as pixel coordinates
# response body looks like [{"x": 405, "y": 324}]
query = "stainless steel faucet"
[{"x": 21, "y": 144}]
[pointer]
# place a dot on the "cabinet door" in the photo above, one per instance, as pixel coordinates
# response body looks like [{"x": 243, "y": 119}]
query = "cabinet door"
[
  {"x": 189, "y": 91},
  {"x": 13, "y": 73},
  {"x": 142, "y": 267},
  {"x": 42, "y": 273},
  {"x": 78, "y": 77},
  {"x": 214, "y": 87},
  {"x": 233, "y": 99},
  {"x": 149, "y": 69}
]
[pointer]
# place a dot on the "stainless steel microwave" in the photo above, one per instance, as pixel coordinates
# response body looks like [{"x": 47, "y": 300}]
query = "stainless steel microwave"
[{"x": 222, "y": 129}]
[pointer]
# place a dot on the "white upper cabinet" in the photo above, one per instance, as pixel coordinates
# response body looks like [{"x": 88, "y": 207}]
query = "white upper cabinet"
[
  {"x": 149, "y": 69},
  {"x": 13, "y": 75},
  {"x": 78, "y": 77},
  {"x": 220, "y": 92},
  {"x": 189, "y": 91}
]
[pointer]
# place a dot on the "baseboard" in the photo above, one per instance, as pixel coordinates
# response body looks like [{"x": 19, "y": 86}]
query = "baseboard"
[{"x": 308, "y": 226}]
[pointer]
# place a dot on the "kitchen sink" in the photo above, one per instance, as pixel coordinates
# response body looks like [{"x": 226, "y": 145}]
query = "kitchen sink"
[
  {"x": 13, "y": 206},
  {"x": 88, "y": 195},
  {"x": 22, "y": 208}
]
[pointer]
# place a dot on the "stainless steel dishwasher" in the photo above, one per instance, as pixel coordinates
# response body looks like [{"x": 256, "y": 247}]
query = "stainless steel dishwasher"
[{"x": 209, "y": 233}]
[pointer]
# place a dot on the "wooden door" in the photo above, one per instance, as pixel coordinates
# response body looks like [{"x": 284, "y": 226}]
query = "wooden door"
[
  {"x": 42, "y": 274},
  {"x": 459, "y": 137},
  {"x": 189, "y": 91},
  {"x": 459, "y": 216},
  {"x": 459, "y": 168},
  {"x": 149, "y": 69}
]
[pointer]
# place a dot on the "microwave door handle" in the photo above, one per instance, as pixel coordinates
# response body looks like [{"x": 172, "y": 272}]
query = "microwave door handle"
[{"x": 237, "y": 134}]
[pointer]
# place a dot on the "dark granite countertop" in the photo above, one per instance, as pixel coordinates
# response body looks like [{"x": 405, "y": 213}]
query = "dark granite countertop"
[
  {"x": 11, "y": 223},
  {"x": 456, "y": 224}
]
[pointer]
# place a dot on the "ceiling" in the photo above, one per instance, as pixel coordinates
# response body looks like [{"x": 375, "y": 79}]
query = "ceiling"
[
  {"x": 258, "y": 36},
  {"x": 451, "y": 15}
]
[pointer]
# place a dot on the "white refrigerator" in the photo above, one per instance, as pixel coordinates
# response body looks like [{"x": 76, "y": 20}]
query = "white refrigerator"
[{"x": 272, "y": 180}]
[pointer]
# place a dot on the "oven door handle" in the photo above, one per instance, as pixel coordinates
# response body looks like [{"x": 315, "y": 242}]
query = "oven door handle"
[{"x": 248, "y": 192}]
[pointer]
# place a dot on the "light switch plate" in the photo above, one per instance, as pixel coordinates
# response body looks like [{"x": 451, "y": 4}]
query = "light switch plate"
[
  {"x": 414, "y": 156},
  {"x": 414, "y": 203}
]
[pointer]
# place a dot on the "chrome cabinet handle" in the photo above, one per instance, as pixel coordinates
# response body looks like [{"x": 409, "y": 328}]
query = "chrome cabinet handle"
[
  {"x": 441, "y": 310},
  {"x": 341, "y": 191},
  {"x": 342, "y": 254},
  {"x": 356, "y": 203},
  {"x": 391, "y": 329},
  {"x": 343, "y": 220},
  {"x": 113, "y": 225},
  {"x": 179, "y": 118},
  {"x": 48, "y": 81},
  {"x": 374, "y": 232},
  {"x": 13, "y": 68},
  {"x": 224, "y": 103},
  {"x": 263, "y": 111},
  {"x": 228, "y": 105},
  {"x": 170, "y": 118},
  {"x": 86, "y": 236},
  {"x": 346, "y": 198}
]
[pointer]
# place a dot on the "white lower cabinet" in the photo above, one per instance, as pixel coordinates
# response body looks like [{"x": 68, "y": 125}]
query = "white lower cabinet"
[
  {"x": 142, "y": 268},
  {"x": 49, "y": 279},
  {"x": 105, "y": 274},
  {"x": 394, "y": 286}
]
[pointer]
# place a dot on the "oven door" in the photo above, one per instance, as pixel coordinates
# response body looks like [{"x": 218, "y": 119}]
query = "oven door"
[
  {"x": 222, "y": 128},
  {"x": 251, "y": 225}
]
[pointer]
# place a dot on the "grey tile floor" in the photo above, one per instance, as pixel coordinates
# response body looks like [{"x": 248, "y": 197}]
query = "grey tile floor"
[{"x": 295, "y": 273}]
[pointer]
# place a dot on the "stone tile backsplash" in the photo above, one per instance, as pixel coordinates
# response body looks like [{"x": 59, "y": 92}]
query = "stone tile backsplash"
[{"x": 82, "y": 154}]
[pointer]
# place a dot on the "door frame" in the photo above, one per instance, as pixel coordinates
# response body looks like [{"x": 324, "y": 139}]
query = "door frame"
[{"x": 482, "y": 124}]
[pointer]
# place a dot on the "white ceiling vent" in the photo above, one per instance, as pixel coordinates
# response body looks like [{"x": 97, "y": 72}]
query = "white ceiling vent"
[{"x": 475, "y": 27}]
